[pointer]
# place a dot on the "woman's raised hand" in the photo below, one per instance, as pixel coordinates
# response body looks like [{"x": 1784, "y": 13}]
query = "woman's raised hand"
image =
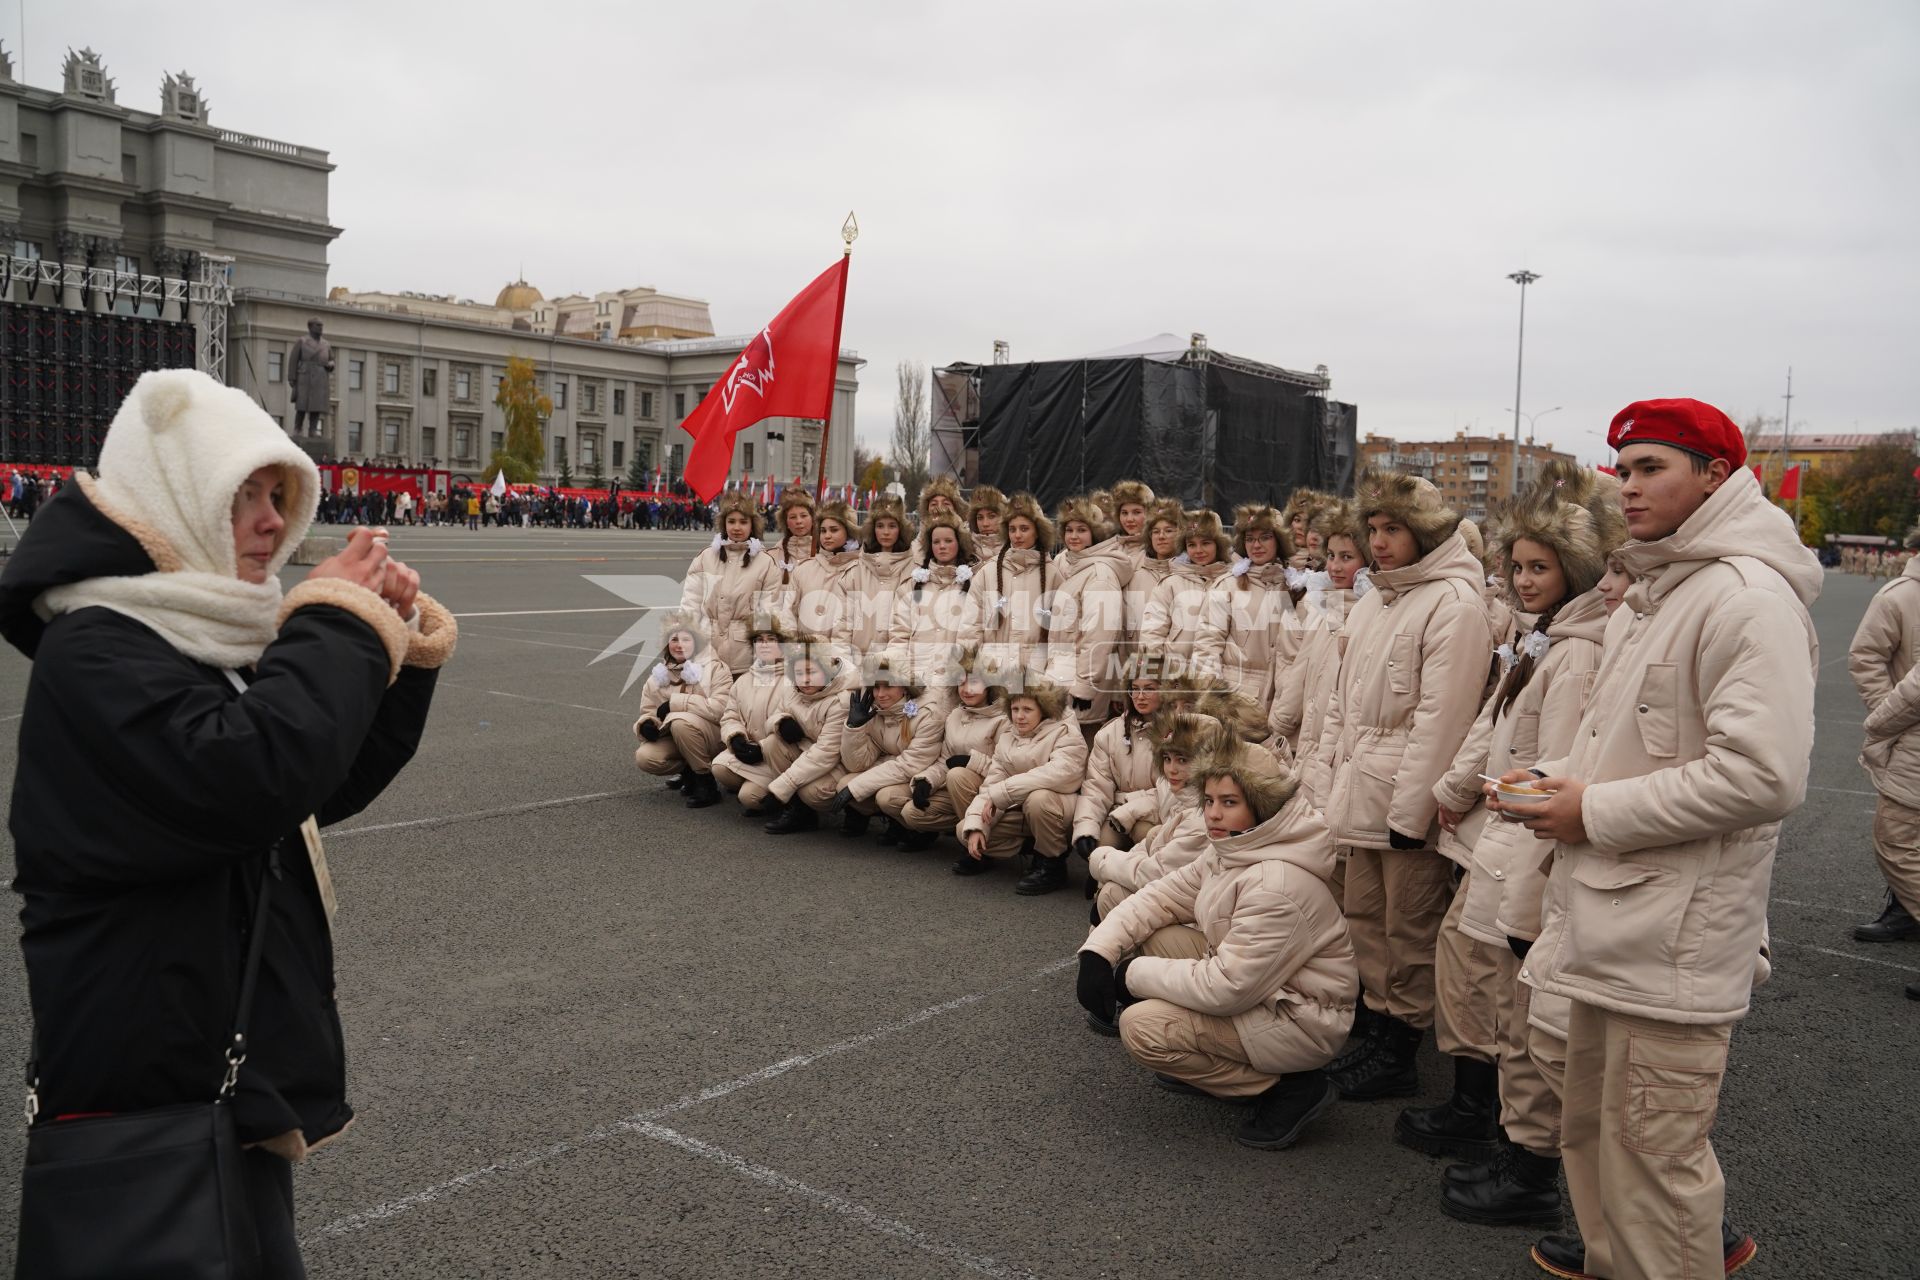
[{"x": 363, "y": 562}]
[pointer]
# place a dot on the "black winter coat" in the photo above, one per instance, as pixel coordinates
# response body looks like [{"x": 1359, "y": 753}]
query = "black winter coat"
[{"x": 148, "y": 796}]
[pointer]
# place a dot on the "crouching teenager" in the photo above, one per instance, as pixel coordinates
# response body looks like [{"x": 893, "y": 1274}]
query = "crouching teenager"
[
  {"x": 1027, "y": 796},
  {"x": 893, "y": 734},
  {"x": 1179, "y": 834},
  {"x": 762, "y": 739},
  {"x": 937, "y": 797},
  {"x": 679, "y": 724},
  {"x": 816, "y": 709},
  {"x": 1234, "y": 976}
]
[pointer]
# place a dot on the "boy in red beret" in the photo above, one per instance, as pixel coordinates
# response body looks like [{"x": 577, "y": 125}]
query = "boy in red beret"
[{"x": 1666, "y": 813}]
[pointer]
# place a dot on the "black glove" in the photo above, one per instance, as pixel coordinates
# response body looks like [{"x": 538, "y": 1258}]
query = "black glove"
[
  {"x": 841, "y": 799},
  {"x": 1083, "y": 704},
  {"x": 1400, "y": 841},
  {"x": 922, "y": 793},
  {"x": 1084, "y": 846},
  {"x": 790, "y": 731},
  {"x": 958, "y": 762},
  {"x": 1095, "y": 990},
  {"x": 650, "y": 730},
  {"x": 1121, "y": 996},
  {"x": 860, "y": 710},
  {"x": 1093, "y": 914},
  {"x": 1520, "y": 946},
  {"x": 738, "y": 744},
  {"x": 662, "y": 711},
  {"x": 749, "y": 752}
]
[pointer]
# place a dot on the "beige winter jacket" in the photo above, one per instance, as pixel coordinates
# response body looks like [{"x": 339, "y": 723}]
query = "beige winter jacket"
[
  {"x": 823, "y": 715},
  {"x": 696, "y": 689},
  {"x": 1694, "y": 749},
  {"x": 1051, "y": 758},
  {"x": 1119, "y": 767},
  {"x": 970, "y": 732},
  {"x": 866, "y": 609},
  {"x": 1178, "y": 606},
  {"x": 892, "y": 747},
  {"x": 1276, "y": 940},
  {"x": 1084, "y": 651},
  {"x": 728, "y": 583},
  {"x": 932, "y": 625},
  {"x": 1409, "y": 687},
  {"x": 1310, "y": 682},
  {"x": 1148, "y": 574},
  {"x": 759, "y": 697},
  {"x": 1508, "y": 865},
  {"x": 817, "y": 590},
  {"x": 1010, "y": 598},
  {"x": 1179, "y": 839},
  {"x": 1883, "y": 653},
  {"x": 1248, "y": 627}
]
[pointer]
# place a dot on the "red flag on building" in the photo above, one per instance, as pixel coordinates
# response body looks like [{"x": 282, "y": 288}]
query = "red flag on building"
[
  {"x": 787, "y": 371},
  {"x": 1790, "y": 482}
]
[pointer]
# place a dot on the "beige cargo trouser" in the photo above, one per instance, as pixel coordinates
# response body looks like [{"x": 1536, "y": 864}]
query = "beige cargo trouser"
[
  {"x": 1465, "y": 975},
  {"x": 689, "y": 741},
  {"x": 946, "y": 805},
  {"x": 1199, "y": 1048},
  {"x": 1641, "y": 1097},
  {"x": 1395, "y": 900},
  {"x": 752, "y": 780},
  {"x": 1529, "y": 1087},
  {"x": 1896, "y": 846}
]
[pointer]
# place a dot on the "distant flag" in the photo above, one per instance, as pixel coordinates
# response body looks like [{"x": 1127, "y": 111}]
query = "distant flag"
[
  {"x": 1790, "y": 482},
  {"x": 499, "y": 485}
]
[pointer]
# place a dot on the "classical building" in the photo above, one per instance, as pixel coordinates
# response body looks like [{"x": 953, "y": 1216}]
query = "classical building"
[
  {"x": 208, "y": 246},
  {"x": 1469, "y": 471}
]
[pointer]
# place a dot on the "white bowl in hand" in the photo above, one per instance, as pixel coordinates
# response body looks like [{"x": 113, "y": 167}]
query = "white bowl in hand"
[{"x": 1520, "y": 801}]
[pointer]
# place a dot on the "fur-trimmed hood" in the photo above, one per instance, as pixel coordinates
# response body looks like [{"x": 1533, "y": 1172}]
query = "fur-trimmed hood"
[
  {"x": 1167, "y": 510},
  {"x": 1410, "y": 501},
  {"x": 793, "y": 496},
  {"x": 687, "y": 620},
  {"x": 1304, "y": 502},
  {"x": 886, "y": 507},
  {"x": 1195, "y": 738},
  {"x": 985, "y": 498},
  {"x": 733, "y": 501},
  {"x": 820, "y": 651},
  {"x": 1087, "y": 512},
  {"x": 1203, "y": 522},
  {"x": 1573, "y": 511},
  {"x": 1259, "y": 517},
  {"x": 1051, "y": 698},
  {"x": 960, "y": 531},
  {"x": 1026, "y": 506},
  {"x": 1263, "y": 780},
  {"x": 889, "y": 667},
  {"x": 949, "y": 488},
  {"x": 766, "y": 623},
  {"x": 1335, "y": 518},
  {"x": 1132, "y": 492},
  {"x": 842, "y": 514}
]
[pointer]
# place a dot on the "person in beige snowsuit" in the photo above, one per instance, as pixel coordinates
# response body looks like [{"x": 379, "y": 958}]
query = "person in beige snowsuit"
[
  {"x": 818, "y": 704},
  {"x": 944, "y": 790},
  {"x": 1027, "y": 794},
  {"x": 1880, "y": 660},
  {"x": 866, "y": 612},
  {"x": 893, "y": 734},
  {"x": 1120, "y": 763},
  {"x": 732, "y": 580},
  {"x": 1014, "y": 584},
  {"x": 1248, "y": 628},
  {"x": 762, "y": 738},
  {"x": 818, "y": 584},
  {"x": 1178, "y": 606},
  {"x": 1084, "y": 614},
  {"x": 1183, "y": 743},
  {"x": 680, "y": 709}
]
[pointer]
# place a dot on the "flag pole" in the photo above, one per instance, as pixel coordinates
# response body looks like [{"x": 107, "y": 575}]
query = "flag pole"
[{"x": 849, "y": 232}]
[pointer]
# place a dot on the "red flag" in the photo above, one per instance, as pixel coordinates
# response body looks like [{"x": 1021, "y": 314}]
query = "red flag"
[
  {"x": 1790, "y": 482},
  {"x": 787, "y": 371},
  {"x": 1758, "y": 478}
]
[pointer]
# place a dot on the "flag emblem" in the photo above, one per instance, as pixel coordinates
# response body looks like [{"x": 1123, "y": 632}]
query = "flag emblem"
[{"x": 753, "y": 371}]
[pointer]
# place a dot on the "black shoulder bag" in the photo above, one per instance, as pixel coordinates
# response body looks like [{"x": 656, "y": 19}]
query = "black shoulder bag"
[{"x": 149, "y": 1193}]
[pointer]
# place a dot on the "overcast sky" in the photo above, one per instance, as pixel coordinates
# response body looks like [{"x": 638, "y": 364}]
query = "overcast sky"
[{"x": 1711, "y": 192}]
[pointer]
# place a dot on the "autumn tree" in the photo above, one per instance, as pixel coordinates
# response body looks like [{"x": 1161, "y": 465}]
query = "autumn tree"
[
  {"x": 1875, "y": 491},
  {"x": 526, "y": 410},
  {"x": 874, "y": 475}
]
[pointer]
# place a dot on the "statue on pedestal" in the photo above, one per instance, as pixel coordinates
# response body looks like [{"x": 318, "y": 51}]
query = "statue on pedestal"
[{"x": 312, "y": 384}]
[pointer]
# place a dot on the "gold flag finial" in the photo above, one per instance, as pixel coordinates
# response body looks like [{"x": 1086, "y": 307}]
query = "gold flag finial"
[{"x": 850, "y": 230}]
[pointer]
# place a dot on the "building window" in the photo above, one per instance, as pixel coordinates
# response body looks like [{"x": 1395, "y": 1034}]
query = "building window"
[
  {"x": 129, "y": 170},
  {"x": 498, "y": 378},
  {"x": 646, "y": 404},
  {"x": 559, "y": 393},
  {"x": 499, "y": 442},
  {"x": 28, "y": 249},
  {"x": 746, "y": 457},
  {"x": 125, "y": 266},
  {"x": 29, "y": 150},
  {"x": 559, "y": 450},
  {"x": 679, "y": 404},
  {"x": 589, "y": 398},
  {"x": 619, "y": 454},
  {"x": 276, "y": 366},
  {"x": 390, "y": 436},
  {"x": 463, "y": 442},
  {"x": 390, "y": 378},
  {"x": 589, "y": 450},
  {"x": 356, "y": 374},
  {"x": 619, "y": 402},
  {"x": 429, "y": 381},
  {"x": 355, "y": 430},
  {"x": 462, "y": 385},
  {"x": 426, "y": 443}
]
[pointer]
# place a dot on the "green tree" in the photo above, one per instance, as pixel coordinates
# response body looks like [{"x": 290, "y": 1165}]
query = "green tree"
[
  {"x": 525, "y": 409},
  {"x": 565, "y": 479},
  {"x": 873, "y": 475},
  {"x": 596, "y": 473},
  {"x": 1875, "y": 491},
  {"x": 638, "y": 476}
]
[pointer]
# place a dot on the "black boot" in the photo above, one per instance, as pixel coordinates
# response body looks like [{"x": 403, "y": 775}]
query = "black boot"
[
  {"x": 853, "y": 824},
  {"x": 679, "y": 779},
  {"x": 1465, "y": 1126},
  {"x": 889, "y": 831},
  {"x": 1524, "y": 1192},
  {"x": 1895, "y": 924},
  {"x": 1044, "y": 876},
  {"x": 701, "y": 791},
  {"x": 1390, "y": 1072},
  {"x": 767, "y": 807},
  {"x": 912, "y": 841},
  {"x": 1285, "y": 1109},
  {"x": 793, "y": 816},
  {"x": 1362, "y": 1041},
  {"x": 1566, "y": 1256},
  {"x": 968, "y": 865}
]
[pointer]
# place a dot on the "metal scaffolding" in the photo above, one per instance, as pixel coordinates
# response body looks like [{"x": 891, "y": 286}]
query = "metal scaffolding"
[{"x": 211, "y": 290}]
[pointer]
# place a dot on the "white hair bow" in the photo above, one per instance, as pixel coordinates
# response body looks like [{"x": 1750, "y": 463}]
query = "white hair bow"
[
  {"x": 963, "y": 574},
  {"x": 661, "y": 676},
  {"x": 690, "y": 671},
  {"x": 1362, "y": 583},
  {"x": 755, "y": 546},
  {"x": 922, "y": 573},
  {"x": 1240, "y": 567}
]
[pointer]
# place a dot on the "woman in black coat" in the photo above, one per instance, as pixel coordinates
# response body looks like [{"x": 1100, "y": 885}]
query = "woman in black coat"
[{"x": 153, "y": 795}]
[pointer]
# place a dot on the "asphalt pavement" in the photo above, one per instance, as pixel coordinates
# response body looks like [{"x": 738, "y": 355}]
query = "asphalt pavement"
[{"x": 593, "y": 1033}]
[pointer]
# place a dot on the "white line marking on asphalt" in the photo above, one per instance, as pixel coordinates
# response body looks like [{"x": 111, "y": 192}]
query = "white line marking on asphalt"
[
  {"x": 15, "y": 716},
  {"x": 1848, "y": 955},
  {"x": 1824, "y": 906},
  {"x": 545, "y": 644},
  {"x": 548, "y": 613},
  {"x": 527, "y": 1159},
  {"x": 501, "y": 812},
  {"x": 827, "y": 1200},
  {"x": 545, "y": 702},
  {"x": 1842, "y": 791}
]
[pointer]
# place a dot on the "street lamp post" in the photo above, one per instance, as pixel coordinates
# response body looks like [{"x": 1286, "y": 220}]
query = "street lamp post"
[
  {"x": 1523, "y": 278},
  {"x": 1532, "y": 435}
]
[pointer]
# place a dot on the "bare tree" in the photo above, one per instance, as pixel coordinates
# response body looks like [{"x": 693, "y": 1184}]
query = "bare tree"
[{"x": 912, "y": 430}]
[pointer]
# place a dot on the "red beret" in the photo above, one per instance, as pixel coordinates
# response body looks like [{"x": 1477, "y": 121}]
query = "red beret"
[{"x": 1693, "y": 425}]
